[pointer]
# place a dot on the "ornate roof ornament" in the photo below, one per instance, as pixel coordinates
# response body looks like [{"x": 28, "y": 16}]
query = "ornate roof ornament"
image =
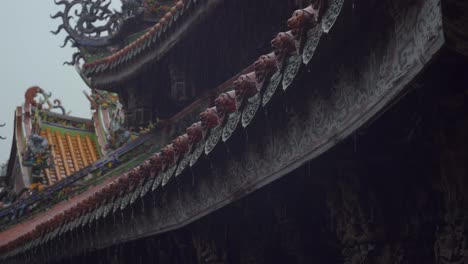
[
  {"x": 45, "y": 102},
  {"x": 90, "y": 23}
]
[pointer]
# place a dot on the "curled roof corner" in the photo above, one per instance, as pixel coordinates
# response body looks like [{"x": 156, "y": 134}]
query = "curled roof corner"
[{"x": 239, "y": 103}]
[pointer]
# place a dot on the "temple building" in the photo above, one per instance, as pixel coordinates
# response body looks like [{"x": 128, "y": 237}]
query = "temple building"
[{"x": 322, "y": 131}]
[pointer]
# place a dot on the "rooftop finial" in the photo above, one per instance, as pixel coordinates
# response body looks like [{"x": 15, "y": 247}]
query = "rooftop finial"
[{"x": 94, "y": 24}]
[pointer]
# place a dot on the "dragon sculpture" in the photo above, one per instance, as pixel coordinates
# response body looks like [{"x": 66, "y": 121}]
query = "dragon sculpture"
[
  {"x": 90, "y": 23},
  {"x": 38, "y": 153},
  {"x": 45, "y": 102}
]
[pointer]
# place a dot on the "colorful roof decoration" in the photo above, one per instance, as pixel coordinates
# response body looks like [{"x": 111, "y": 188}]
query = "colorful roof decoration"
[
  {"x": 156, "y": 7},
  {"x": 109, "y": 120},
  {"x": 56, "y": 145},
  {"x": 234, "y": 108},
  {"x": 147, "y": 41},
  {"x": 96, "y": 30},
  {"x": 93, "y": 23},
  {"x": 59, "y": 156}
]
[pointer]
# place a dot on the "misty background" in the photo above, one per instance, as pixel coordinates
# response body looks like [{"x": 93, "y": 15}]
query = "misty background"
[{"x": 31, "y": 55}]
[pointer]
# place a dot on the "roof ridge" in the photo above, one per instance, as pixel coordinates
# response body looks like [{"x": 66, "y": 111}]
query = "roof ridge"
[
  {"x": 236, "y": 106},
  {"x": 141, "y": 43}
]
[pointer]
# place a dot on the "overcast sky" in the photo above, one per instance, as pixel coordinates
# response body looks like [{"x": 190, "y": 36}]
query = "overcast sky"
[{"x": 31, "y": 55}]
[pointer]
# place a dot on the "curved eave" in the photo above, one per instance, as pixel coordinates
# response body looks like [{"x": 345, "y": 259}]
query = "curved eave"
[
  {"x": 113, "y": 73},
  {"x": 326, "y": 110}
]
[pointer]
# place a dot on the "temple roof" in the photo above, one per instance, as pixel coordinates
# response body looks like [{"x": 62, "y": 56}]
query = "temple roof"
[
  {"x": 73, "y": 149},
  {"x": 150, "y": 46},
  {"x": 272, "y": 76},
  {"x": 235, "y": 107},
  {"x": 70, "y": 141}
]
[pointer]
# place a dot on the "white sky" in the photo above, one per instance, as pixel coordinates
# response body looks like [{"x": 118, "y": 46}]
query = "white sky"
[{"x": 31, "y": 55}]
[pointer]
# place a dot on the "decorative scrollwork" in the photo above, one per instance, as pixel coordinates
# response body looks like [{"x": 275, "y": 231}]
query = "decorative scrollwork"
[
  {"x": 75, "y": 59},
  {"x": 89, "y": 217},
  {"x": 271, "y": 88},
  {"x": 167, "y": 175},
  {"x": 231, "y": 125},
  {"x": 293, "y": 64},
  {"x": 126, "y": 200},
  {"x": 54, "y": 234},
  {"x": 107, "y": 209},
  {"x": 184, "y": 162},
  {"x": 253, "y": 103},
  {"x": 197, "y": 152},
  {"x": 99, "y": 213},
  {"x": 44, "y": 102},
  {"x": 83, "y": 223},
  {"x": 78, "y": 224},
  {"x": 136, "y": 194},
  {"x": 74, "y": 223},
  {"x": 330, "y": 16},
  {"x": 117, "y": 204},
  {"x": 313, "y": 38},
  {"x": 157, "y": 181},
  {"x": 92, "y": 218},
  {"x": 213, "y": 139},
  {"x": 96, "y": 25},
  {"x": 146, "y": 187}
]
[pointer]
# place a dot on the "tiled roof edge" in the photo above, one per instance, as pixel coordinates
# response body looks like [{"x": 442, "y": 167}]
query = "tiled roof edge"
[
  {"x": 146, "y": 41},
  {"x": 291, "y": 51}
]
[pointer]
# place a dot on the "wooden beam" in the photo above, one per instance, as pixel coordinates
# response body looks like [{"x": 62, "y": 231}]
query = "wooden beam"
[
  {"x": 62, "y": 152},
  {"x": 54, "y": 154},
  {"x": 91, "y": 148},
  {"x": 84, "y": 157},
  {"x": 72, "y": 152}
]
